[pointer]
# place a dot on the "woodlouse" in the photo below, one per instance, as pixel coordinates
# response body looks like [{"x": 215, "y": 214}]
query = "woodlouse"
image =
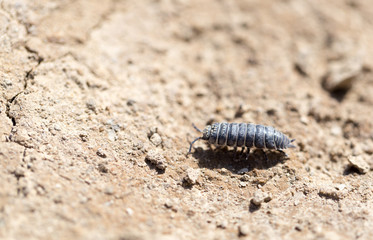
[{"x": 245, "y": 135}]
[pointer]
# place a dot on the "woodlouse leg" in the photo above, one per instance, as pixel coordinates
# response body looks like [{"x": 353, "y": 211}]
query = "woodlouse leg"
[
  {"x": 265, "y": 155},
  {"x": 247, "y": 153},
  {"x": 241, "y": 153},
  {"x": 235, "y": 152},
  {"x": 286, "y": 155},
  {"x": 242, "y": 150}
]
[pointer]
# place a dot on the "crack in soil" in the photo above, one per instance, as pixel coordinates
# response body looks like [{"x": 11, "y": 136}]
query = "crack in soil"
[{"x": 29, "y": 75}]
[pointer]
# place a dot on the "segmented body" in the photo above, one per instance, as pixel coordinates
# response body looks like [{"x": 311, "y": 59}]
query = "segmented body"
[{"x": 245, "y": 135}]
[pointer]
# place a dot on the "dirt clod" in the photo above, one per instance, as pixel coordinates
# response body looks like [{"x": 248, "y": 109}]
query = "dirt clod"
[
  {"x": 359, "y": 163},
  {"x": 192, "y": 176},
  {"x": 157, "y": 159},
  {"x": 342, "y": 75}
]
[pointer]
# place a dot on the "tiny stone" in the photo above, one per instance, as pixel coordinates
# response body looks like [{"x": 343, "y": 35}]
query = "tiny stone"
[
  {"x": 192, "y": 175},
  {"x": 224, "y": 171},
  {"x": 340, "y": 186},
  {"x": 304, "y": 120},
  {"x": 129, "y": 211},
  {"x": 342, "y": 75},
  {"x": 91, "y": 105},
  {"x": 152, "y": 130},
  {"x": 359, "y": 163},
  {"x": 222, "y": 224},
  {"x": 157, "y": 159},
  {"x": 243, "y": 230},
  {"x": 109, "y": 190},
  {"x": 83, "y": 136},
  {"x": 8, "y": 82},
  {"x": 245, "y": 178},
  {"x": 243, "y": 184},
  {"x": 156, "y": 139},
  {"x": 19, "y": 172},
  {"x": 169, "y": 204},
  {"x": 336, "y": 130},
  {"x": 260, "y": 197},
  {"x": 112, "y": 135},
  {"x": 101, "y": 153},
  {"x": 57, "y": 127}
]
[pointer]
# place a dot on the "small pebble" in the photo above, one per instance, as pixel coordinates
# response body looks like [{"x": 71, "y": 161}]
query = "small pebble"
[
  {"x": 129, "y": 211},
  {"x": 91, "y": 105},
  {"x": 112, "y": 135},
  {"x": 243, "y": 230},
  {"x": 151, "y": 131},
  {"x": 109, "y": 190},
  {"x": 260, "y": 197},
  {"x": 336, "y": 130},
  {"x": 19, "y": 172},
  {"x": 342, "y": 75},
  {"x": 340, "y": 187},
  {"x": 101, "y": 153},
  {"x": 169, "y": 204},
  {"x": 57, "y": 127},
  {"x": 83, "y": 136},
  {"x": 304, "y": 120},
  {"x": 222, "y": 224},
  {"x": 156, "y": 139},
  {"x": 243, "y": 184},
  {"x": 157, "y": 159},
  {"x": 192, "y": 175},
  {"x": 359, "y": 163}
]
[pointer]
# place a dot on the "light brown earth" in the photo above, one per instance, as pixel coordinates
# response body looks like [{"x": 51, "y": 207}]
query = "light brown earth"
[{"x": 97, "y": 98}]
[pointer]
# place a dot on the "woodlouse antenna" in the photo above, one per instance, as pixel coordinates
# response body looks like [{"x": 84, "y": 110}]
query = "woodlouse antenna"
[
  {"x": 191, "y": 144},
  {"x": 291, "y": 145},
  {"x": 195, "y": 127}
]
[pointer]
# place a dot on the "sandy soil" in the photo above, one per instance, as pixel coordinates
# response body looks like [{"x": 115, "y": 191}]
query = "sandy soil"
[{"x": 97, "y": 98}]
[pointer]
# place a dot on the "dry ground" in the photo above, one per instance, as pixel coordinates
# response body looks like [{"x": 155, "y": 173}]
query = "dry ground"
[{"x": 97, "y": 98}]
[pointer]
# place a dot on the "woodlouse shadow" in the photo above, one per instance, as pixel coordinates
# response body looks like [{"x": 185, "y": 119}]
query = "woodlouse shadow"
[{"x": 235, "y": 161}]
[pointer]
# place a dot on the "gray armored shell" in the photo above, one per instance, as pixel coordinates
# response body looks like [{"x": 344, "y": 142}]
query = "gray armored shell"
[{"x": 246, "y": 135}]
